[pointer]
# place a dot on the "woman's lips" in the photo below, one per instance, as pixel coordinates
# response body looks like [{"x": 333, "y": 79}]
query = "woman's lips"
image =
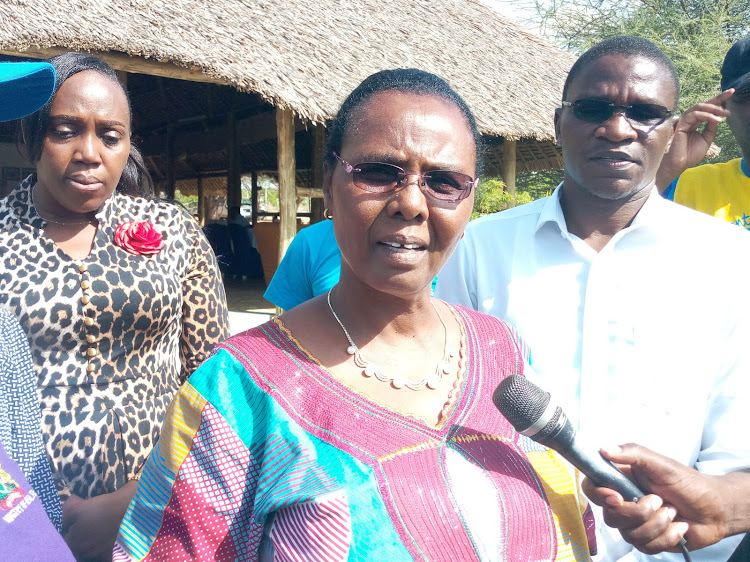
[
  {"x": 84, "y": 183},
  {"x": 405, "y": 246},
  {"x": 402, "y": 254}
]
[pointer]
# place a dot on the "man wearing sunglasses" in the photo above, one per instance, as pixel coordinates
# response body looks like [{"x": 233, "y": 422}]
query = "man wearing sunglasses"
[
  {"x": 722, "y": 190},
  {"x": 635, "y": 324}
]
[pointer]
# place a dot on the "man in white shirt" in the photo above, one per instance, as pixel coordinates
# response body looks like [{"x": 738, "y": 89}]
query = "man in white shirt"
[{"x": 635, "y": 309}]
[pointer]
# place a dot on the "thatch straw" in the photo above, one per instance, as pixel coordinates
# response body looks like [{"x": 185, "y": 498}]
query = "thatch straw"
[{"x": 306, "y": 56}]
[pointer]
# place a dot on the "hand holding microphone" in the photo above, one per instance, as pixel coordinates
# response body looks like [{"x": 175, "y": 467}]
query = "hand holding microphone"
[
  {"x": 532, "y": 413},
  {"x": 710, "y": 506}
]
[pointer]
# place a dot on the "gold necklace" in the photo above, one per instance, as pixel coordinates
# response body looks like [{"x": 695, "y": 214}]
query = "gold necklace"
[
  {"x": 53, "y": 221},
  {"x": 369, "y": 369}
]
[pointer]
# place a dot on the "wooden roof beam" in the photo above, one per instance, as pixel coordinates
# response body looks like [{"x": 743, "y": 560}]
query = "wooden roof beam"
[
  {"x": 124, "y": 62},
  {"x": 249, "y": 131}
]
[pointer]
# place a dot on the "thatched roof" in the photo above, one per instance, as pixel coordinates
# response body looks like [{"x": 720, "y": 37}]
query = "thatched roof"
[{"x": 306, "y": 56}]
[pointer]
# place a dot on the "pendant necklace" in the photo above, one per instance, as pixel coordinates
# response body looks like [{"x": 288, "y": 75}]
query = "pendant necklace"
[{"x": 369, "y": 369}]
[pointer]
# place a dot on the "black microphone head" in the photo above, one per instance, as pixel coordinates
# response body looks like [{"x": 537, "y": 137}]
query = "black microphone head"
[{"x": 520, "y": 401}]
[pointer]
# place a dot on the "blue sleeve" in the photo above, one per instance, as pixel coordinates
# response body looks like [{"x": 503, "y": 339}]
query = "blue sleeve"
[
  {"x": 669, "y": 192},
  {"x": 290, "y": 284},
  {"x": 326, "y": 257}
]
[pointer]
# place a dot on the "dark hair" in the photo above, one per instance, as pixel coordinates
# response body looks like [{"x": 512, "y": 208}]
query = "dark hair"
[
  {"x": 735, "y": 70},
  {"x": 135, "y": 179},
  {"x": 410, "y": 80},
  {"x": 628, "y": 46}
]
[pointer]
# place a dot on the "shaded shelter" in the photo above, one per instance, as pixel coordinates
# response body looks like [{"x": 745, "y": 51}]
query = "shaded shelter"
[{"x": 222, "y": 89}]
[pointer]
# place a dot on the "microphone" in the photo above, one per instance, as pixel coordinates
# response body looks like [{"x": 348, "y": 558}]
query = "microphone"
[{"x": 531, "y": 411}]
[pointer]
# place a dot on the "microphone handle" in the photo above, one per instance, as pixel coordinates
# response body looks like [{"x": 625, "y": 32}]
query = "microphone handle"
[
  {"x": 601, "y": 472},
  {"x": 598, "y": 469}
]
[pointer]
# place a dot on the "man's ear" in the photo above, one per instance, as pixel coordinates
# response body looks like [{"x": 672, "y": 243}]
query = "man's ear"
[
  {"x": 674, "y": 119},
  {"x": 557, "y": 126}
]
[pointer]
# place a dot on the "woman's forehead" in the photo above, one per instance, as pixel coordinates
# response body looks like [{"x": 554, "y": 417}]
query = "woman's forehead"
[
  {"x": 394, "y": 115},
  {"x": 91, "y": 91}
]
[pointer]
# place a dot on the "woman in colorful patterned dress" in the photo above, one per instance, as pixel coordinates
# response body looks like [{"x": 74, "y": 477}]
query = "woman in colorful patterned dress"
[
  {"x": 118, "y": 293},
  {"x": 360, "y": 425}
]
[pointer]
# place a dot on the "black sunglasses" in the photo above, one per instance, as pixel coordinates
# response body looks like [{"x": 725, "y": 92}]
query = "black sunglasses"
[
  {"x": 599, "y": 111},
  {"x": 379, "y": 177}
]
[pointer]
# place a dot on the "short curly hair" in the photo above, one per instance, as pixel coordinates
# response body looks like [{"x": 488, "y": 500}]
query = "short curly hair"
[{"x": 628, "y": 46}]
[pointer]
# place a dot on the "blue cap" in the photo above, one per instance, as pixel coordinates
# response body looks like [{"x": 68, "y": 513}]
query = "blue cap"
[{"x": 24, "y": 88}]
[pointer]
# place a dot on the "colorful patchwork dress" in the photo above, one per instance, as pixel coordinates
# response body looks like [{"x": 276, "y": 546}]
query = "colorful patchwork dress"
[{"x": 266, "y": 456}]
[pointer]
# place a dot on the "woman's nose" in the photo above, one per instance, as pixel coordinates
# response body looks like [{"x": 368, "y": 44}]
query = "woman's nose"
[
  {"x": 88, "y": 148},
  {"x": 410, "y": 201}
]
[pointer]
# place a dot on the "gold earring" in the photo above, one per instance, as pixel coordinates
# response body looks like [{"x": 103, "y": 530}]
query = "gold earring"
[{"x": 327, "y": 214}]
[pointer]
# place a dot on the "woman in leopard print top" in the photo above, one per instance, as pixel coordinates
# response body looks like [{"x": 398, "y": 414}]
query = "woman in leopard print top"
[{"x": 115, "y": 323}]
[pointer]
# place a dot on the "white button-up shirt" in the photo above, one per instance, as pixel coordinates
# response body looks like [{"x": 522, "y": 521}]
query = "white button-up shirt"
[{"x": 646, "y": 341}]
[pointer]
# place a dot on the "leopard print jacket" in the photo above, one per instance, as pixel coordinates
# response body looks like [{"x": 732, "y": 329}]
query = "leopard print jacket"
[{"x": 112, "y": 335}]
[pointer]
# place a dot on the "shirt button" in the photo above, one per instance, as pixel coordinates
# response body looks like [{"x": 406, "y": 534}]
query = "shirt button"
[
  {"x": 91, "y": 352},
  {"x": 90, "y": 338},
  {"x": 82, "y": 269},
  {"x": 88, "y": 321},
  {"x": 90, "y": 368},
  {"x": 85, "y": 299},
  {"x": 85, "y": 284}
]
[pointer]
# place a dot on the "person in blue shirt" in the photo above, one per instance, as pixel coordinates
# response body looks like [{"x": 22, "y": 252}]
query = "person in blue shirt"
[{"x": 311, "y": 266}]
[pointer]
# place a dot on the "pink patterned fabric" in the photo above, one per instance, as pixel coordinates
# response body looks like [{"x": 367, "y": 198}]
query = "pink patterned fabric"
[
  {"x": 404, "y": 453},
  {"x": 210, "y": 477},
  {"x": 272, "y": 458},
  {"x": 320, "y": 530}
]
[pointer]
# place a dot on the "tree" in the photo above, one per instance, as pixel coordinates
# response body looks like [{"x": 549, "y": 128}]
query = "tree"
[
  {"x": 491, "y": 197},
  {"x": 694, "y": 34}
]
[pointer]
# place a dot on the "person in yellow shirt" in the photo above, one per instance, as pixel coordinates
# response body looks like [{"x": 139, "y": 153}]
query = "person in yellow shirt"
[{"x": 723, "y": 189}]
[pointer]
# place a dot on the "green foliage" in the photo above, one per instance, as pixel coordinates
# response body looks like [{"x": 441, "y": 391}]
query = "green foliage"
[
  {"x": 491, "y": 197},
  {"x": 694, "y": 34},
  {"x": 538, "y": 184},
  {"x": 190, "y": 202},
  {"x": 268, "y": 197}
]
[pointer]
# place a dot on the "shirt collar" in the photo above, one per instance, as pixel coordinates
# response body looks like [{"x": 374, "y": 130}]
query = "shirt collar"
[{"x": 552, "y": 212}]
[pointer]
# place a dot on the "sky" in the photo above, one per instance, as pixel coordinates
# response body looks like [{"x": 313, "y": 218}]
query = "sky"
[{"x": 511, "y": 10}]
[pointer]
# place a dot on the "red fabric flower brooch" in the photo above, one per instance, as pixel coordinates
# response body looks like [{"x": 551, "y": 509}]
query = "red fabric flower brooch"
[{"x": 140, "y": 238}]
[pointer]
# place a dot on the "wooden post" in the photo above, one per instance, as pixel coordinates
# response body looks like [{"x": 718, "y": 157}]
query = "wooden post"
[
  {"x": 255, "y": 197},
  {"x": 171, "y": 173},
  {"x": 287, "y": 188},
  {"x": 234, "y": 176},
  {"x": 509, "y": 168},
  {"x": 316, "y": 176},
  {"x": 201, "y": 203}
]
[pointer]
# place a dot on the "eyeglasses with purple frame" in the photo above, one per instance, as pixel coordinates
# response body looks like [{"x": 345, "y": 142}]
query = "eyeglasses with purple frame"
[{"x": 379, "y": 177}]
